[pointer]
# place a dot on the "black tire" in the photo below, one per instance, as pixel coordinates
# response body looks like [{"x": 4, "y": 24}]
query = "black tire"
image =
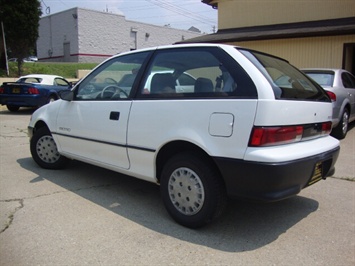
[
  {"x": 341, "y": 129},
  {"x": 192, "y": 190},
  {"x": 44, "y": 150},
  {"x": 12, "y": 108}
]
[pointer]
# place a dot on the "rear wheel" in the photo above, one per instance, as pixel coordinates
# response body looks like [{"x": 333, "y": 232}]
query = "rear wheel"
[
  {"x": 341, "y": 129},
  {"x": 51, "y": 99},
  {"x": 44, "y": 150},
  {"x": 12, "y": 108},
  {"x": 192, "y": 190}
]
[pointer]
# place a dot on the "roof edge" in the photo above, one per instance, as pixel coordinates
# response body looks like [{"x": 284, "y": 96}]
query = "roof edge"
[
  {"x": 211, "y": 3},
  {"x": 329, "y": 27}
]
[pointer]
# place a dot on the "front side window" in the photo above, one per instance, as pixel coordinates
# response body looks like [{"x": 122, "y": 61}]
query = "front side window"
[
  {"x": 201, "y": 72},
  {"x": 61, "y": 82},
  {"x": 113, "y": 80},
  {"x": 288, "y": 82}
]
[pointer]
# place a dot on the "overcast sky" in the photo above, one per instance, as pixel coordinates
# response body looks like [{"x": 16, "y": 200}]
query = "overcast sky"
[{"x": 180, "y": 14}]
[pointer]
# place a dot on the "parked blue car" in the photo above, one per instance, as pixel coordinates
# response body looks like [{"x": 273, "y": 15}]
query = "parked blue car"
[{"x": 32, "y": 91}]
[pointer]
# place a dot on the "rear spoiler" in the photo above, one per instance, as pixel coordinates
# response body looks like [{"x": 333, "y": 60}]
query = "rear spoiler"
[{"x": 17, "y": 83}]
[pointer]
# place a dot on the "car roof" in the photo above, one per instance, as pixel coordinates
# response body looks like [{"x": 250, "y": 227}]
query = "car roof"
[
  {"x": 320, "y": 69},
  {"x": 40, "y": 76},
  {"x": 180, "y": 63},
  {"x": 46, "y": 79},
  {"x": 177, "y": 46}
]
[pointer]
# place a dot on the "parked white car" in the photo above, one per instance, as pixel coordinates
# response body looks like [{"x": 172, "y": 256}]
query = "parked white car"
[
  {"x": 252, "y": 127},
  {"x": 340, "y": 86}
]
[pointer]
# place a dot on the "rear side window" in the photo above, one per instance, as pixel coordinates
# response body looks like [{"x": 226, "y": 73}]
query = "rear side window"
[
  {"x": 288, "y": 82},
  {"x": 30, "y": 80},
  {"x": 348, "y": 80},
  {"x": 195, "y": 73}
]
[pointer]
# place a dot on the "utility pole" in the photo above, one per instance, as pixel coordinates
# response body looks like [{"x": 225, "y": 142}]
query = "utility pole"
[{"x": 5, "y": 51}]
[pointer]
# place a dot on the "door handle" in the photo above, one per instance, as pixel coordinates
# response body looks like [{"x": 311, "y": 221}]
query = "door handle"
[{"x": 115, "y": 116}]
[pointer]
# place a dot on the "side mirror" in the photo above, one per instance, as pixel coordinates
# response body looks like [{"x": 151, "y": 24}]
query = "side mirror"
[{"x": 66, "y": 95}]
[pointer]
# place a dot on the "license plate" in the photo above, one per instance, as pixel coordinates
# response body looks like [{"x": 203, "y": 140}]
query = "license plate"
[
  {"x": 16, "y": 90},
  {"x": 317, "y": 174}
]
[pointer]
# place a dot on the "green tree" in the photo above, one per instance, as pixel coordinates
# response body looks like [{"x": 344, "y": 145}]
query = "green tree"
[{"x": 21, "y": 21}]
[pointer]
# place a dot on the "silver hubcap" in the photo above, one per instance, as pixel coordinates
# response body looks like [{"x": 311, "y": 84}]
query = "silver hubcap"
[
  {"x": 345, "y": 122},
  {"x": 186, "y": 191},
  {"x": 47, "y": 149}
]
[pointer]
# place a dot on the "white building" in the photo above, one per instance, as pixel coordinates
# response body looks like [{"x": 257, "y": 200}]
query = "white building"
[{"x": 83, "y": 35}]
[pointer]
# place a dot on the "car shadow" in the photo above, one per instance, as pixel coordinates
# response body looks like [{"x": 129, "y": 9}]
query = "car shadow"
[
  {"x": 351, "y": 126},
  {"x": 245, "y": 226},
  {"x": 21, "y": 111}
]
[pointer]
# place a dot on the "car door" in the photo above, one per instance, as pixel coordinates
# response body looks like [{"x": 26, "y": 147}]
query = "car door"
[
  {"x": 204, "y": 115},
  {"x": 93, "y": 126}
]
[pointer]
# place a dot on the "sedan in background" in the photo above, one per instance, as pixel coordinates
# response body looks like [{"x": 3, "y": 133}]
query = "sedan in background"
[
  {"x": 340, "y": 86},
  {"x": 32, "y": 91}
]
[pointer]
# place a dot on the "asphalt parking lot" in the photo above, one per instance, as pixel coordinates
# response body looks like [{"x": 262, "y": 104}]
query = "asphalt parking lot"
[{"x": 85, "y": 215}]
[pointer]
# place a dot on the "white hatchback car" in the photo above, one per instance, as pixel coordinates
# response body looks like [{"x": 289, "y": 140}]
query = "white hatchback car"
[{"x": 252, "y": 127}]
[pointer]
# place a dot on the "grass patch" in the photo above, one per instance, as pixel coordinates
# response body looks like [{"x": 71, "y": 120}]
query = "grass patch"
[{"x": 66, "y": 70}]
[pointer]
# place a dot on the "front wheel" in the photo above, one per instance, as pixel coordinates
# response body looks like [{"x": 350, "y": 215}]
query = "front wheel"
[
  {"x": 44, "y": 150},
  {"x": 192, "y": 190}
]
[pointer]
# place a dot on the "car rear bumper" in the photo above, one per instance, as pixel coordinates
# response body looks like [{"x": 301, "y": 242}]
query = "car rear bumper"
[
  {"x": 22, "y": 100},
  {"x": 274, "y": 181}
]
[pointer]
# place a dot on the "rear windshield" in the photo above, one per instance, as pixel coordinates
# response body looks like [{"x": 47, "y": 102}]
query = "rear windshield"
[
  {"x": 29, "y": 80},
  {"x": 288, "y": 82},
  {"x": 325, "y": 78}
]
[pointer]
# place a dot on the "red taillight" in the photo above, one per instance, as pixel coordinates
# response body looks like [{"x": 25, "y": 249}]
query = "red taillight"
[
  {"x": 2, "y": 90},
  {"x": 326, "y": 128},
  {"x": 269, "y": 136},
  {"x": 266, "y": 136},
  {"x": 332, "y": 96},
  {"x": 33, "y": 91}
]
